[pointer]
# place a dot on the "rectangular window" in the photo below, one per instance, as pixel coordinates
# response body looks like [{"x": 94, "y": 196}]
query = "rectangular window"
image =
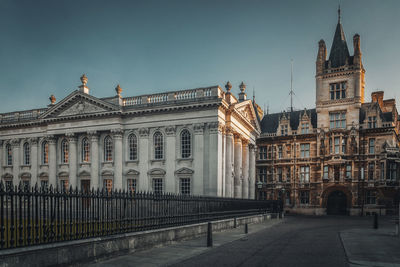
[
  {"x": 262, "y": 175},
  {"x": 131, "y": 185},
  {"x": 288, "y": 154},
  {"x": 372, "y": 122},
  {"x": 284, "y": 129},
  {"x": 392, "y": 171},
  {"x": 337, "y": 120},
  {"x": 337, "y": 145},
  {"x": 304, "y": 174},
  {"x": 279, "y": 170},
  {"x": 338, "y": 90},
  {"x": 158, "y": 185},
  {"x": 263, "y": 153},
  {"x": 280, "y": 152},
  {"x": 371, "y": 168},
  {"x": 382, "y": 171},
  {"x": 348, "y": 171},
  {"x": 108, "y": 184},
  {"x": 304, "y": 128},
  {"x": 344, "y": 145},
  {"x": 288, "y": 175},
  {"x": 326, "y": 172},
  {"x": 64, "y": 185},
  {"x": 304, "y": 150},
  {"x": 184, "y": 186},
  {"x": 370, "y": 197},
  {"x": 305, "y": 197},
  {"x": 371, "y": 147},
  {"x": 269, "y": 152}
]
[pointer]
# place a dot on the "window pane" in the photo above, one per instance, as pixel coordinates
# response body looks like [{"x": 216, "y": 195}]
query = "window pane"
[
  {"x": 158, "y": 146},
  {"x": 185, "y": 144}
]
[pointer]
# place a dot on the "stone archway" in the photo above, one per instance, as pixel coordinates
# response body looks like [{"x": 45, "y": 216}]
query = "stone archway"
[
  {"x": 337, "y": 200},
  {"x": 336, "y": 203}
]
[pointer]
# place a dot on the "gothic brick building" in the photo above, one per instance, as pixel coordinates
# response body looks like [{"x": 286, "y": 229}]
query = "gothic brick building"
[{"x": 341, "y": 157}]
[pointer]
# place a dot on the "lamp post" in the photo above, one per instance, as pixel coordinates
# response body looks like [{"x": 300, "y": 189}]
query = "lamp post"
[
  {"x": 259, "y": 186},
  {"x": 362, "y": 191}
]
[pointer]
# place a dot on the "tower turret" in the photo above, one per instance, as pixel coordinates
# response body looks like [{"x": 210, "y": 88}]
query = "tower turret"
[{"x": 321, "y": 57}]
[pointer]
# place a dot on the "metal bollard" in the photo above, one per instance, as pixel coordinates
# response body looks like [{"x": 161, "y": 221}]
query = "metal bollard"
[
  {"x": 209, "y": 235},
  {"x": 246, "y": 228},
  {"x": 375, "y": 220}
]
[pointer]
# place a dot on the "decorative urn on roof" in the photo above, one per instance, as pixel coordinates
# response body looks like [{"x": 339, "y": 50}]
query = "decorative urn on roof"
[{"x": 83, "y": 88}]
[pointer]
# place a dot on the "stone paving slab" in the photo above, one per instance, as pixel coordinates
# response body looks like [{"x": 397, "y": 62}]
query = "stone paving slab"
[
  {"x": 371, "y": 247},
  {"x": 171, "y": 254}
]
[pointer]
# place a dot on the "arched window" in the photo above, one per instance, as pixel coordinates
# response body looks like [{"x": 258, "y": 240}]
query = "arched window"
[
  {"x": 9, "y": 155},
  {"x": 45, "y": 152},
  {"x": 185, "y": 144},
  {"x": 158, "y": 146},
  {"x": 85, "y": 150},
  {"x": 108, "y": 148},
  {"x": 64, "y": 151},
  {"x": 132, "y": 147},
  {"x": 27, "y": 154}
]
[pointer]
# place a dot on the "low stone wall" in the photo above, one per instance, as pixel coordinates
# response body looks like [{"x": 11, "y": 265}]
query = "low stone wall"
[{"x": 80, "y": 251}]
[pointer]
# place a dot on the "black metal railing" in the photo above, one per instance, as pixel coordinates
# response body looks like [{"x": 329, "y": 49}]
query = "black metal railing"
[{"x": 32, "y": 216}]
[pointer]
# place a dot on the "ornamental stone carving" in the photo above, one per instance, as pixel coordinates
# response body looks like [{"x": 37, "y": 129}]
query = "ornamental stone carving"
[
  {"x": 81, "y": 107},
  {"x": 51, "y": 139},
  {"x": 33, "y": 140},
  {"x": 213, "y": 127},
  {"x": 198, "y": 128},
  {"x": 170, "y": 130},
  {"x": 117, "y": 133},
  {"x": 144, "y": 132},
  {"x": 15, "y": 142}
]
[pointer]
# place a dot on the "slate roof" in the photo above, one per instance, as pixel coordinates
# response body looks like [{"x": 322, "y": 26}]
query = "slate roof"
[
  {"x": 270, "y": 122},
  {"x": 339, "y": 50}
]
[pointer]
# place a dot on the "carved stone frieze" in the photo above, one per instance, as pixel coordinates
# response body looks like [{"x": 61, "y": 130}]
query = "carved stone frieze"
[
  {"x": 117, "y": 133},
  {"x": 213, "y": 127},
  {"x": 198, "y": 128},
  {"x": 144, "y": 132},
  {"x": 15, "y": 142},
  {"x": 170, "y": 130},
  {"x": 33, "y": 140},
  {"x": 81, "y": 107}
]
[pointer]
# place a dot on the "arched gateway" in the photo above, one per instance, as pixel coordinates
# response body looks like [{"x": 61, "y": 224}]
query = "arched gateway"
[{"x": 336, "y": 203}]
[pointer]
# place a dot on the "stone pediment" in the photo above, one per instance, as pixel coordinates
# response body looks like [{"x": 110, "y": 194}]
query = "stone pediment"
[
  {"x": 156, "y": 172},
  {"x": 79, "y": 103},
  {"x": 132, "y": 172},
  {"x": 184, "y": 171},
  {"x": 246, "y": 110}
]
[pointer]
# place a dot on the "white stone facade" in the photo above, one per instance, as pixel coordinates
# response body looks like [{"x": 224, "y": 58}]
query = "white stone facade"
[{"x": 180, "y": 142}]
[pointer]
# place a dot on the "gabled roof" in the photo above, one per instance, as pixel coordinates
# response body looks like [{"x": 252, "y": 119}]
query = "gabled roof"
[
  {"x": 339, "y": 50},
  {"x": 270, "y": 122}
]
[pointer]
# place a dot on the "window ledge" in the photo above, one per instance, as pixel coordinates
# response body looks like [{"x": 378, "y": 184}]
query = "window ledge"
[
  {"x": 184, "y": 159},
  {"x": 157, "y": 160},
  {"x": 132, "y": 161}
]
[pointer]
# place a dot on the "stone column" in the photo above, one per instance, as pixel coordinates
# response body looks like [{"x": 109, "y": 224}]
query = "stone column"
[
  {"x": 238, "y": 167},
  {"x": 252, "y": 172},
  {"x": 118, "y": 158},
  {"x": 245, "y": 169},
  {"x": 34, "y": 160},
  {"x": 228, "y": 163},
  {"x": 198, "y": 159},
  {"x": 1, "y": 158},
  {"x": 170, "y": 156},
  {"x": 143, "y": 157},
  {"x": 52, "y": 161},
  {"x": 94, "y": 160},
  {"x": 15, "y": 143},
  {"x": 73, "y": 160},
  {"x": 211, "y": 187}
]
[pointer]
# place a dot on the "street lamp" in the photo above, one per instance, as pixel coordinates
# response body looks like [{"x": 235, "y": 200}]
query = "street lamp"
[{"x": 259, "y": 186}]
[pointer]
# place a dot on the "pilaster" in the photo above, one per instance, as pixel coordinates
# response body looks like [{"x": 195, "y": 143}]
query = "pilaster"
[
  {"x": 238, "y": 167},
  {"x": 252, "y": 172},
  {"x": 94, "y": 159},
  {"x": 198, "y": 155},
  {"x": 72, "y": 160},
  {"x": 34, "y": 160},
  {"x": 118, "y": 157},
  {"x": 229, "y": 163},
  {"x": 169, "y": 154},
  {"x": 51, "y": 140},
  {"x": 143, "y": 158},
  {"x": 15, "y": 143},
  {"x": 211, "y": 186},
  {"x": 245, "y": 169}
]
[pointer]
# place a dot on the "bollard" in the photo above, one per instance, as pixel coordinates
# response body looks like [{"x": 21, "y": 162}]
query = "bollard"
[
  {"x": 209, "y": 235},
  {"x": 246, "y": 228},
  {"x": 234, "y": 223},
  {"x": 375, "y": 220}
]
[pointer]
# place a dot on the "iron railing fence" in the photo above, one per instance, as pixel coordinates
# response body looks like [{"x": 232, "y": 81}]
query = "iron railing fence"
[{"x": 32, "y": 216}]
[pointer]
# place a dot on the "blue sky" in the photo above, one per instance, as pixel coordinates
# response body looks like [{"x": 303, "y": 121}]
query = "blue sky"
[{"x": 153, "y": 46}]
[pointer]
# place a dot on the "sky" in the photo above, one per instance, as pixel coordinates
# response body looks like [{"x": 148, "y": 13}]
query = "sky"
[{"x": 153, "y": 46}]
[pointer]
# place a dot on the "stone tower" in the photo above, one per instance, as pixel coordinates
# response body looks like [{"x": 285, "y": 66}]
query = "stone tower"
[{"x": 339, "y": 82}]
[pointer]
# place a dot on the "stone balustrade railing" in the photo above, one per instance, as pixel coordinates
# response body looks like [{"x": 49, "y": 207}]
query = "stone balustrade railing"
[
  {"x": 173, "y": 96},
  {"x": 21, "y": 115}
]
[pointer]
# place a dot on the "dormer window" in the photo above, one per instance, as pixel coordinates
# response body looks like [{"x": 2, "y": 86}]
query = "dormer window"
[
  {"x": 284, "y": 129},
  {"x": 304, "y": 128},
  {"x": 372, "y": 122},
  {"x": 338, "y": 90}
]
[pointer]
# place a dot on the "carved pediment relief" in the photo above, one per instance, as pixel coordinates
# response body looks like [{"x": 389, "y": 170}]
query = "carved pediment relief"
[
  {"x": 132, "y": 172},
  {"x": 7, "y": 176},
  {"x": 81, "y": 107},
  {"x": 156, "y": 172},
  {"x": 84, "y": 173},
  {"x": 107, "y": 173},
  {"x": 25, "y": 175},
  {"x": 184, "y": 171}
]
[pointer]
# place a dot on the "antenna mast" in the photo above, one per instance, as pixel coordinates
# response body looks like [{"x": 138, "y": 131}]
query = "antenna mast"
[{"x": 291, "y": 85}]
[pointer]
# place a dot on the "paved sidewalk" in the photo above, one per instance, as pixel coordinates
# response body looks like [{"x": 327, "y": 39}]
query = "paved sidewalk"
[
  {"x": 372, "y": 247},
  {"x": 178, "y": 252}
]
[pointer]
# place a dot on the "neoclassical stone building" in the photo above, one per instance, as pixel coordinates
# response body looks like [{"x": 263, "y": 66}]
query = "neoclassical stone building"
[
  {"x": 341, "y": 157},
  {"x": 182, "y": 142}
]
